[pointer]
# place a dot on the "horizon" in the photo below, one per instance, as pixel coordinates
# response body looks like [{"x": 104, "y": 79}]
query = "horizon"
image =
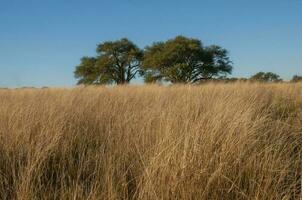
[{"x": 41, "y": 43}]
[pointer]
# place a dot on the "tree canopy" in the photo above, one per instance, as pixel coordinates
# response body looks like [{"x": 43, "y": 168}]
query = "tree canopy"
[
  {"x": 178, "y": 60},
  {"x": 185, "y": 60},
  {"x": 116, "y": 62},
  {"x": 266, "y": 77}
]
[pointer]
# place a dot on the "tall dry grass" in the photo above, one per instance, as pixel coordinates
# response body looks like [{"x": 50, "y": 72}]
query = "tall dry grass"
[{"x": 232, "y": 141}]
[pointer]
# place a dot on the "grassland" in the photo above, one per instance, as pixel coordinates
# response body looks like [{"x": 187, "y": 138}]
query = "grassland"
[{"x": 216, "y": 141}]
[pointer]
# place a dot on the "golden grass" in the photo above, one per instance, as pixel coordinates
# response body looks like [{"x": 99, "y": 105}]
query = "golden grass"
[{"x": 216, "y": 141}]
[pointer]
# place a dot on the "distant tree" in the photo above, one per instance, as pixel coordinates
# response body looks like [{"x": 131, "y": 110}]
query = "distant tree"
[
  {"x": 296, "y": 79},
  {"x": 185, "y": 60},
  {"x": 228, "y": 80},
  {"x": 266, "y": 77},
  {"x": 117, "y": 62},
  {"x": 235, "y": 79}
]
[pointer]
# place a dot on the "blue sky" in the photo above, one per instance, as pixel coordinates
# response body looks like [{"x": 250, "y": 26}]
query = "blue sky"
[{"x": 41, "y": 41}]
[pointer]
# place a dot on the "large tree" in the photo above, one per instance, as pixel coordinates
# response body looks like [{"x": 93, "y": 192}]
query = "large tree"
[
  {"x": 185, "y": 60},
  {"x": 116, "y": 62},
  {"x": 266, "y": 77}
]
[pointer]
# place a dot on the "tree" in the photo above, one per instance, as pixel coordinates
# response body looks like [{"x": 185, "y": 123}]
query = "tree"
[
  {"x": 296, "y": 79},
  {"x": 116, "y": 62},
  {"x": 266, "y": 77},
  {"x": 87, "y": 72},
  {"x": 185, "y": 60}
]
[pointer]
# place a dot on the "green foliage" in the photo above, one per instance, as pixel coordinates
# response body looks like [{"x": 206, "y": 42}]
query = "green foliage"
[
  {"x": 178, "y": 60},
  {"x": 266, "y": 77},
  {"x": 152, "y": 77},
  {"x": 117, "y": 62},
  {"x": 296, "y": 79},
  {"x": 87, "y": 72},
  {"x": 185, "y": 60}
]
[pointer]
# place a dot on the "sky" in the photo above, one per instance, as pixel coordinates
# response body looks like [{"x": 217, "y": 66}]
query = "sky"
[{"x": 41, "y": 41}]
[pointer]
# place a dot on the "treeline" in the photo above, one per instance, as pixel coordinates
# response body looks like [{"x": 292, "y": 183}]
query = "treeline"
[
  {"x": 263, "y": 77},
  {"x": 177, "y": 60}
]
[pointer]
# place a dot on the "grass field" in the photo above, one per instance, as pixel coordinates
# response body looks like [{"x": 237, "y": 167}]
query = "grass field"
[{"x": 216, "y": 141}]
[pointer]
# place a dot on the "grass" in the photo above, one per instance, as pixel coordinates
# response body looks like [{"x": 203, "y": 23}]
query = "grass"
[{"x": 216, "y": 141}]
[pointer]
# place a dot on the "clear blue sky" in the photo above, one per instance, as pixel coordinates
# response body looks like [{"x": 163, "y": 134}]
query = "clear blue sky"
[{"x": 41, "y": 41}]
